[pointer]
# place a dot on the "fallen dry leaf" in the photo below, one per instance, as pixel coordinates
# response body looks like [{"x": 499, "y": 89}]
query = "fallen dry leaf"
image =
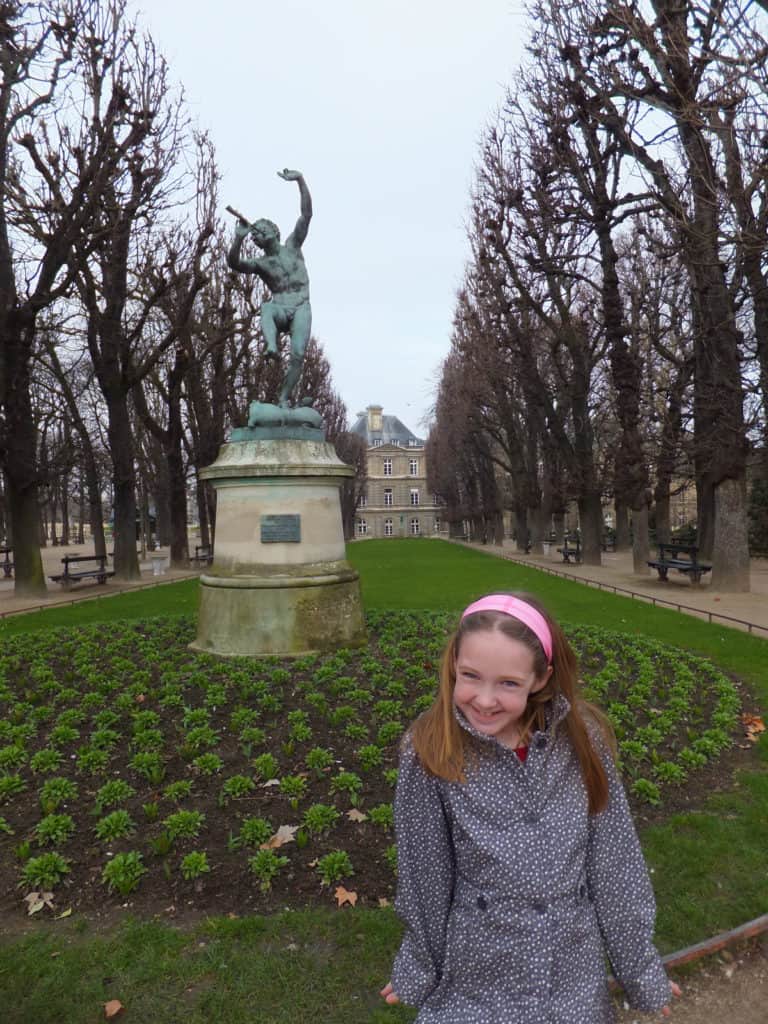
[
  {"x": 63, "y": 914},
  {"x": 37, "y": 900},
  {"x": 355, "y": 815},
  {"x": 112, "y": 1008},
  {"x": 284, "y": 834},
  {"x": 345, "y": 896},
  {"x": 314, "y": 863},
  {"x": 139, "y": 698},
  {"x": 753, "y": 726},
  {"x": 270, "y": 782},
  {"x": 383, "y": 901}
]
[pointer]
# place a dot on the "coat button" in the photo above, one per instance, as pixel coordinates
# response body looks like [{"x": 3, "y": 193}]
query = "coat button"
[
  {"x": 582, "y": 891},
  {"x": 482, "y": 903},
  {"x": 532, "y": 819},
  {"x": 541, "y": 742},
  {"x": 540, "y": 908}
]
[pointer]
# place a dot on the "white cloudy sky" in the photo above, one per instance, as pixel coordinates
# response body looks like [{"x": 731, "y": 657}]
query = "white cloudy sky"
[{"x": 380, "y": 105}]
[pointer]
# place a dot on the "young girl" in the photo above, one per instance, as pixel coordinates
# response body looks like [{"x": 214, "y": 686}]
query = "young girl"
[{"x": 518, "y": 865}]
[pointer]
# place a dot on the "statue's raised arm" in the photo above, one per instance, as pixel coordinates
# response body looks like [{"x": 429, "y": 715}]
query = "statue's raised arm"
[{"x": 296, "y": 238}]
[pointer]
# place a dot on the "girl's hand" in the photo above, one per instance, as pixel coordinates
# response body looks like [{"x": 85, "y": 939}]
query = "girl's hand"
[
  {"x": 676, "y": 991},
  {"x": 388, "y": 995}
]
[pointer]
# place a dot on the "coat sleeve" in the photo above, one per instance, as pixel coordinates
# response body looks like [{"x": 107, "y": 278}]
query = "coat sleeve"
[
  {"x": 621, "y": 891},
  {"x": 425, "y": 876}
]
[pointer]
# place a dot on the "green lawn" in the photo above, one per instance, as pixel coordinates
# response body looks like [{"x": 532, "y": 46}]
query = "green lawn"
[{"x": 708, "y": 867}]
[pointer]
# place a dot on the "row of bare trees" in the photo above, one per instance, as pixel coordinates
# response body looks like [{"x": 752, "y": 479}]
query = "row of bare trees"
[
  {"x": 611, "y": 336},
  {"x": 127, "y": 348}
]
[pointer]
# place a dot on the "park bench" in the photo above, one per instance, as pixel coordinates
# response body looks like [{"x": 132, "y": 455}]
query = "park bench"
[
  {"x": 7, "y": 564},
  {"x": 202, "y": 556},
  {"x": 570, "y": 553},
  {"x": 97, "y": 571},
  {"x": 608, "y": 543},
  {"x": 670, "y": 558}
]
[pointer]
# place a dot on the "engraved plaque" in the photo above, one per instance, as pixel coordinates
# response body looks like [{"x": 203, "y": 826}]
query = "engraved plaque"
[{"x": 281, "y": 529}]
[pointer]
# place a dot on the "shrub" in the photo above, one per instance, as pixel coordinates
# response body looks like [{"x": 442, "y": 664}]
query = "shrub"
[
  {"x": 54, "y": 829},
  {"x": 382, "y": 815},
  {"x": 55, "y": 792},
  {"x": 335, "y": 866},
  {"x": 116, "y": 825},
  {"x": 254, "y": 832},
  {"x": 45, "y": 871},
  {"x": 265, "y": 865},
  {"x": 11, "y": 785},
  {"x": 235, "y": 788},
  {"x": 124, "y": 872},
  {"x": 320, "y": 818},
  {"x": 266, "y": 766},
  {"x": 114, "y": 792},
  {"x": 194, "y": 865},
  {"x": 184, "y": 824}
]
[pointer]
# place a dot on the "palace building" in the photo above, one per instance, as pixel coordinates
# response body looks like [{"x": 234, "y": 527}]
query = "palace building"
[{"x": 396, "y": 501}]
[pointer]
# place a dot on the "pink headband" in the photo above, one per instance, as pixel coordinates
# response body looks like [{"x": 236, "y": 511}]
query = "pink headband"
[{"x": 518, "y": 609}]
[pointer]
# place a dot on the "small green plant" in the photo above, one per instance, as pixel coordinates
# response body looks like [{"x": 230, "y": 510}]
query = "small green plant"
[
  {"x": 5, "y": 828},
  {"x": 251, "y": 736},
  {"x": 44, "y": 872},
  {"x": 390, "y": 856},
  {"x": 294, "y": 787},
  {"x": 349, "y": 783},
  {"x": 104, "y": 739},
  {"x": 151, "y": 810},
  {"x": 334, "y": 867},
  {"x": 647, "y": 791},
  {"x": 116, "y": 825},
  {"x": 55, "y": 792},
  {"x": 124, "y": 872},
  {"x": 13, "y": 756},
  {"x": 382, "y": 815},
  {"x": 178, "y": 791},
  {"x": 112, "y": 793},
  {"x": 320, "y": 818},
  {"x": 194, "y": 865},
  {"x": 147, "y": 739},
  {"x": 265, "y": 865},
  {"x": 23, "y": 851},
  {"x": 11, "y": 785},
  {"x": 61, "y": 735},
  {"x": 370, "y": 757},
  {"x": 201, "y": 737},
  {"x": 46, "y": 760},
  {"x": 161, "y": 845},
  {"x": 356, "y": 731},
  {"x": 266, "y": 766},
  {"x": 668, "y": 771},
  {"x": 254, "y": 832},
  {"x": 318, "y": 759},
  {"x": 235, "y": 788},
  {"x": 184, "y": 824},
  {"x": 54, "y": 829},
  {"x": 92, "y": 762},
  {"x": 391, "y": 731},
  {"x": 208, "y": 764},
  {"x": 148, "y": 764}
]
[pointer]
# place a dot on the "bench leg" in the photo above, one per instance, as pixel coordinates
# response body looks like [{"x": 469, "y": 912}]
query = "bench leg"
[{"x": 663, "y": 575}]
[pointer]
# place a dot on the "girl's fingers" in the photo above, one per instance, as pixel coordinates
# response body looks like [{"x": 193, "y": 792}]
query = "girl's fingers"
[{"x": 676, "y": 990}]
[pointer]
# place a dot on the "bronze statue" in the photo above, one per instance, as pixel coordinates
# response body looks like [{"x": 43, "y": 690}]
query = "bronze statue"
[{"x": 283, "y": 271}]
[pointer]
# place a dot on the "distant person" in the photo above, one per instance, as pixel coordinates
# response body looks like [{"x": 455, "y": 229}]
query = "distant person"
[
  {"x": 518, "y": 866},
  {"x": 283, "y": 271}
]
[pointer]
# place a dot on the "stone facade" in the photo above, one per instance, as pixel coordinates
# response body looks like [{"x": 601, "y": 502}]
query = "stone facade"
[{"x": 397, "y": 502}]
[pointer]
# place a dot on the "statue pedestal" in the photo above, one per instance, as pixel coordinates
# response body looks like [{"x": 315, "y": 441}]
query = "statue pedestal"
[{"x": 280, "y": 583}]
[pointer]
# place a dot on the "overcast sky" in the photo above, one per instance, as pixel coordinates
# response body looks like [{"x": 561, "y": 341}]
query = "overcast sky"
[{"x": 381, "y": 106}]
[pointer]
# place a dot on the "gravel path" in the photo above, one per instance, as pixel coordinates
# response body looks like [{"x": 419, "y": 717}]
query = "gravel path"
[{"x": 728, "y": 988}]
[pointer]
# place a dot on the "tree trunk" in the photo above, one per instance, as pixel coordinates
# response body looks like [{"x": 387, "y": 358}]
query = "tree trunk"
[
  {"x": 177, "y": 493},
  {"x": 641, "y": 549},
  {"x": 623, "y": 532},
  {"x": 202, "y": 512},
  {"x": 662, "y": 514},
  {"x": 591, "y": 521},
  {"x": 558, "y": 527},
  {"x": 124, "y": 485},
  {"x": 730, "y": 565},
  {"x": 705, "y": 518}
]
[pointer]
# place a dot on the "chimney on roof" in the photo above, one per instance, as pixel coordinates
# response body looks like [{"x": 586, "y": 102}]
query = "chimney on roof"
[{"x": 374, "y": 418}]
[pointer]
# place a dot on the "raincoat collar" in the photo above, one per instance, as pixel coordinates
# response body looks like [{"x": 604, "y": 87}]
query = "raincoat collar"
[{"x": 555, "y": 712}]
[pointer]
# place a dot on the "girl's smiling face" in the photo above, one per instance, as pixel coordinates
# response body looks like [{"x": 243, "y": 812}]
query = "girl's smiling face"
[{"x": 494, "y": 677}]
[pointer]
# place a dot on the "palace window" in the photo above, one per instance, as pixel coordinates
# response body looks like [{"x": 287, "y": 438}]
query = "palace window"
[
  {"x": 387, "y": 467},
  {"x": 387, "y": 495},
  {"x": 413, "y": 467},
  {"x": 362, "y": 501},
  {"x": 414, "y": 496},
  {"x": 415, "y": 529},
  {"x": 387, "y": 527},
  {"x": 362, "y": 527}
]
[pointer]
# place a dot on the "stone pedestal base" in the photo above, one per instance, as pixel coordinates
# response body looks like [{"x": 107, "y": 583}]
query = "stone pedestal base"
[{"x": 279, "y": 583}]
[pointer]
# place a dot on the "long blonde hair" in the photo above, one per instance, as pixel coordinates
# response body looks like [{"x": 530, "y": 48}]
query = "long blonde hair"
[{"x": 445, "y": 749}]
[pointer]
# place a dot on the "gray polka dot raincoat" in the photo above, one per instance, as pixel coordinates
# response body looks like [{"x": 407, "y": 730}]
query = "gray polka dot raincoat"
[{"x": 512, "y": 895}]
